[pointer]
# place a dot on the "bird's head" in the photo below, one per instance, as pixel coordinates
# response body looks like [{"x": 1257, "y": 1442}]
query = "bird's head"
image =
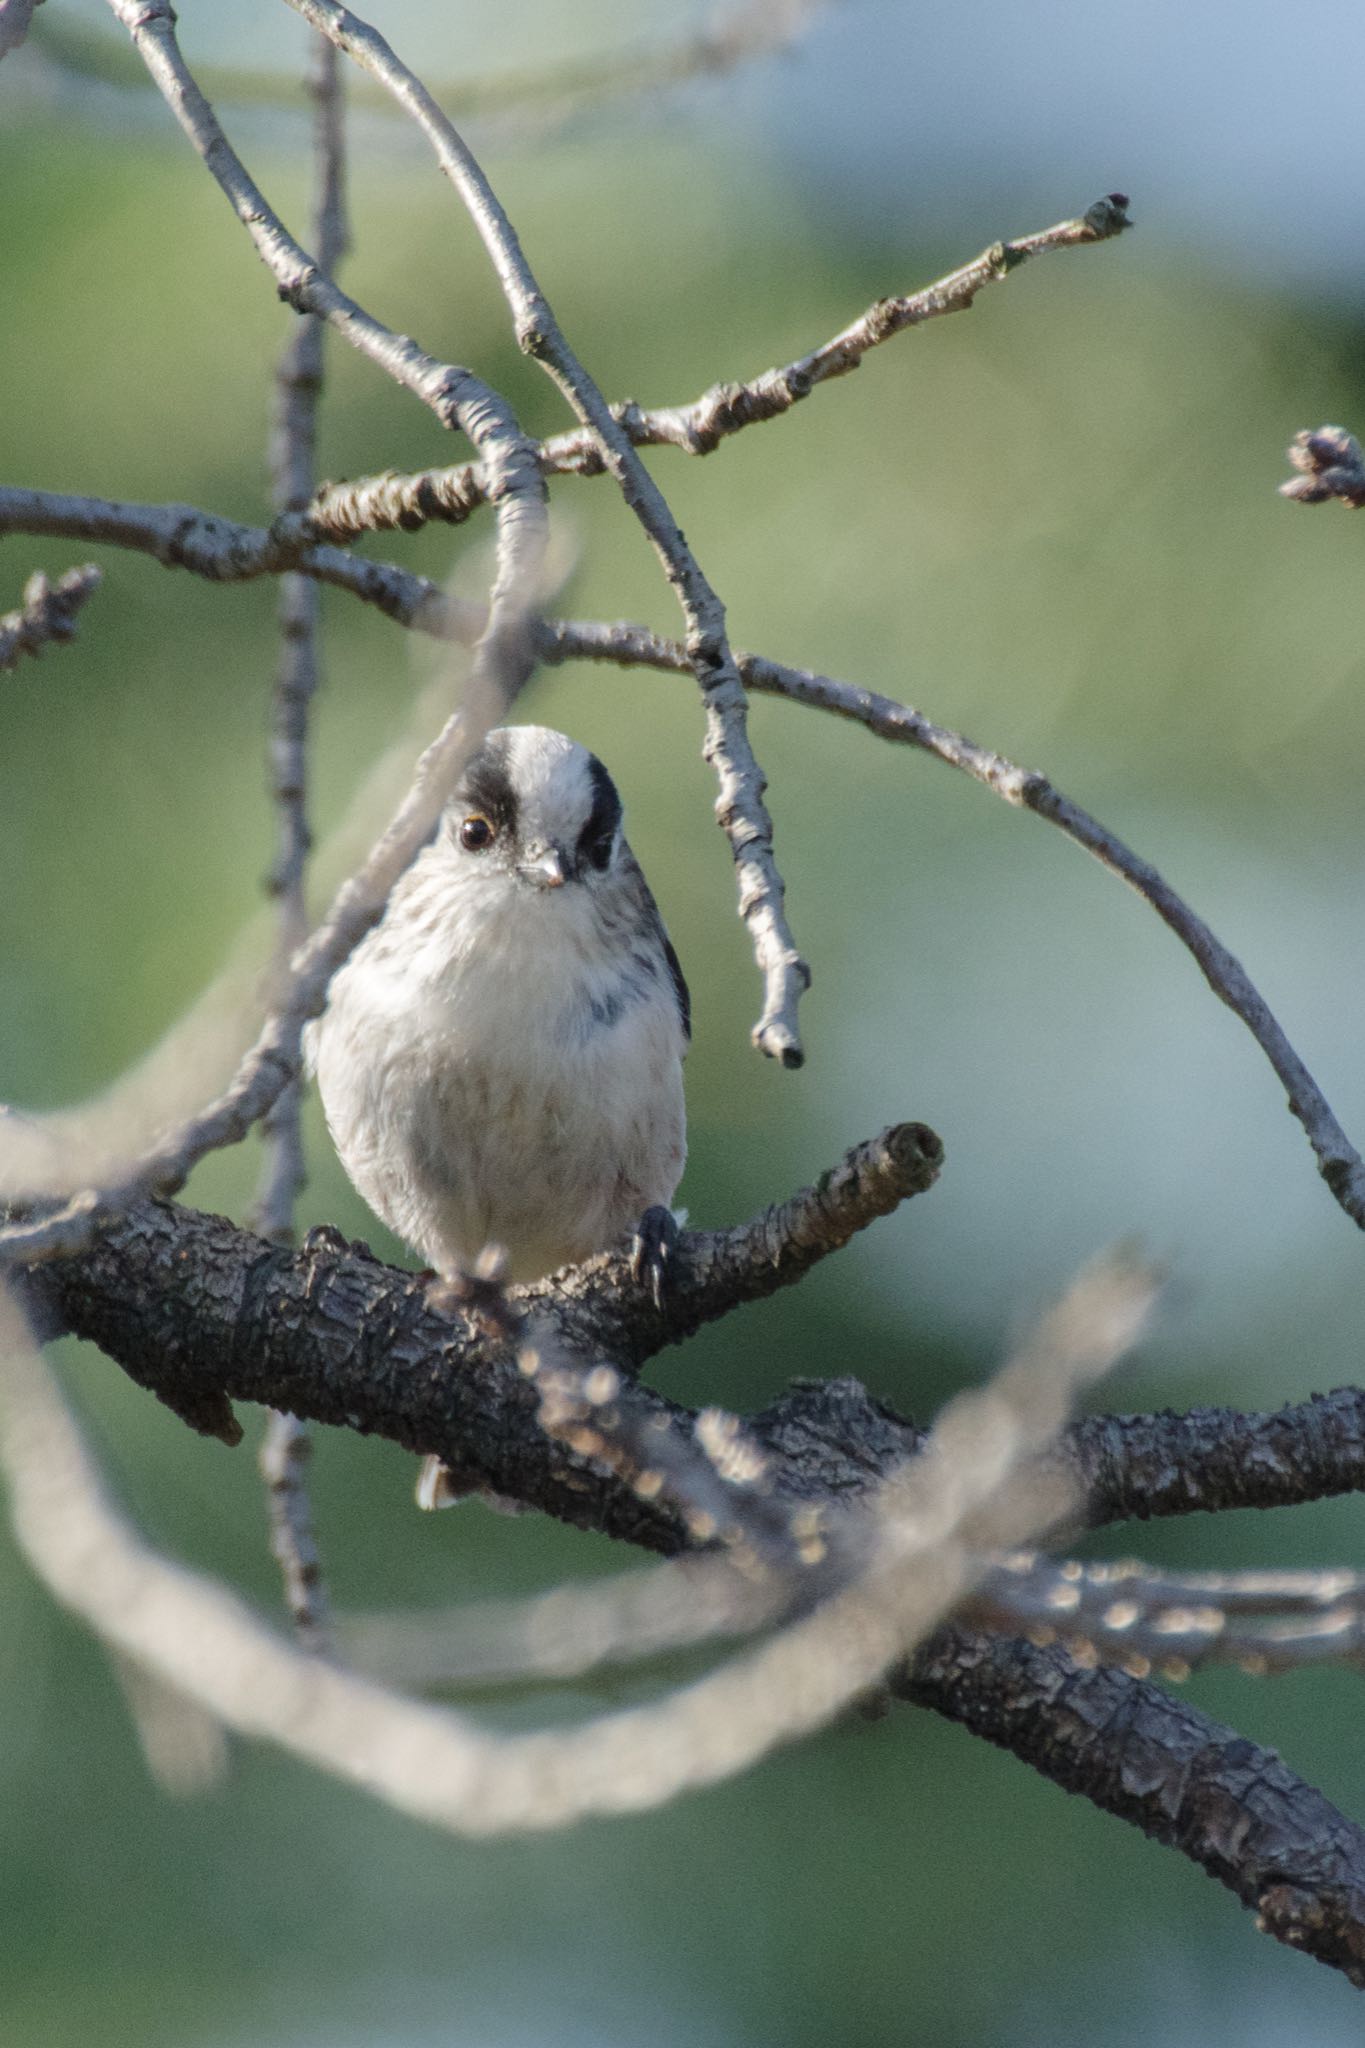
[{"x": 535, "y": 808}]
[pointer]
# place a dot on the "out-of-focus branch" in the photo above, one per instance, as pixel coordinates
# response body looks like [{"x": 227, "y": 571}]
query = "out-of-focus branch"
[
  {"x": 1176, "y": 1622},
  {"x": 502, "y": 660},
  {"x": 1330, "y": 465},
  {"x": 918, "y": 1557},
  {"x": 285, "y": 1450},
  {"x": 1232, "y": 1807},
  {"x": 48, "y": 613},
  {"x": 1155, "y": 1762},
  {"x": 1339, "y": 1163},
  {"x": 16, "y": 18},
  {"x": 740, "y": 808},
  {"x": 546, "y": 93}
]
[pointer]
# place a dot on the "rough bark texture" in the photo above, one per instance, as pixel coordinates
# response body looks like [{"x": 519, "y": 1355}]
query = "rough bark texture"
[{"x": 1133, "y": 1750}]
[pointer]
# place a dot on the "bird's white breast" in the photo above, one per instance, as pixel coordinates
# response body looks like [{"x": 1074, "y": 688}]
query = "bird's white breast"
[{"x": 510, "y": 1071}]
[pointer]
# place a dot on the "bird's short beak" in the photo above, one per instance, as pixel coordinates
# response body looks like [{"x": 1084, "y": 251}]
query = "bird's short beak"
[{"x": 546, "y": 868}]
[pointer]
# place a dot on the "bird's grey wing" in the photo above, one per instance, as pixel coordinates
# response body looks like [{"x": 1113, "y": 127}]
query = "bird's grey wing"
[{"x": 649, "y": 911}]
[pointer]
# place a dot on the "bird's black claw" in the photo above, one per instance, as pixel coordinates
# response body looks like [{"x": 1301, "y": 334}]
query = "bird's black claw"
[
  {"x": 324, "y": 1237},
  {"x": 651, "y": 1251}
]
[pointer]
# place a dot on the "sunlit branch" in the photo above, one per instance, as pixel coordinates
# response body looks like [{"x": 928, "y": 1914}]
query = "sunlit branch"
[{"x": 740, "y": 808}]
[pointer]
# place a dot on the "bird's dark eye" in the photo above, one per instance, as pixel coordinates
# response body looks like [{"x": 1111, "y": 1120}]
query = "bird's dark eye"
[
  {"x": 598, "y": 848},
  {"x": 476, "y": 832}
]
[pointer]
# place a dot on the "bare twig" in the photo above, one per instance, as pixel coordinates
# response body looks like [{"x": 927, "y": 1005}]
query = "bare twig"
[
  {"x": 458, "y": 398},
  {"x": 547, "y": 93},
  {"x": 340, "y": 512},
  {"x": 740, "y": 807},
  {"x": 48, "y": 613},
  {"x": 223, "y": 551},
  {"x": 1338, "y": 1161},
  {"x": 502, "y": 660},
  {"x": 1330, "y": 465}
]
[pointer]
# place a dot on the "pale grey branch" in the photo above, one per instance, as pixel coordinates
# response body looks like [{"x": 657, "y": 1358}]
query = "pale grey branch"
[
  {"x": 740, "y": 807},
  {"x": 223, "y": 551},
  {"x": 370, "y": 504},
  {"x": 634, "y": 646}
]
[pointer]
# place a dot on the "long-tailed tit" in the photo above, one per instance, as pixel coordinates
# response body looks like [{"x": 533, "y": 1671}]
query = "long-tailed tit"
[{"x": 500, "y": 1059}]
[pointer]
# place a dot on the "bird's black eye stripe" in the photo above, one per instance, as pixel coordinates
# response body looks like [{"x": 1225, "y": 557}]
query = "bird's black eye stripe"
[
  {"x": 598, "y": 836},
  {"x": 487, "y": 788}
]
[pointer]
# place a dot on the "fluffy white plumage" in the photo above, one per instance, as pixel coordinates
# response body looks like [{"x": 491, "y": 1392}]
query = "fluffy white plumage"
[{"x": 500, "y": 1060}]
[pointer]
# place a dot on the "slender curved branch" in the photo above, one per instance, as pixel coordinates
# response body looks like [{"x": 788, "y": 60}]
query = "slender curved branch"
[
  {"x": 740, "y": 808},
  {"x": 47, "y": 615},
  {"x": 1339, "y": 1163}
]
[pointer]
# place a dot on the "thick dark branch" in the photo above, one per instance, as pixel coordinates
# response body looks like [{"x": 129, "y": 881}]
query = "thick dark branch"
[
  {"x": 1157, "y": 1762},
  {"x": 203, "y": 1313}
]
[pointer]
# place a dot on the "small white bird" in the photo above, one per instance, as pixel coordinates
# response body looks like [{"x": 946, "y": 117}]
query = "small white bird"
[{"x": 500, "y": 1059}]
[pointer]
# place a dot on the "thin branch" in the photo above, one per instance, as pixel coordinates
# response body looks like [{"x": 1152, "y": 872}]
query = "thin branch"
[
  {"x": 340, "y": 512},
  {"x": 180, "y": 536},
  {"x": 629, "y": 646},
  {"x": 48, "y": 614},
  {"x": 740, "y": 807},
  {"x": 502, "y": 660},
  {"x": 286, "y": 1447},
  {"x": 1232, "y": 1807},
  {"x": 458, "y": 398},
  {"x": 1177, "y": 1622},
  {"x": 224, "y": 551}
]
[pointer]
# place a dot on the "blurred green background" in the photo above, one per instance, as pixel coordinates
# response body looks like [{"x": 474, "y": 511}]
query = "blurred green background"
[{"x": 1053, "y": 525}]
